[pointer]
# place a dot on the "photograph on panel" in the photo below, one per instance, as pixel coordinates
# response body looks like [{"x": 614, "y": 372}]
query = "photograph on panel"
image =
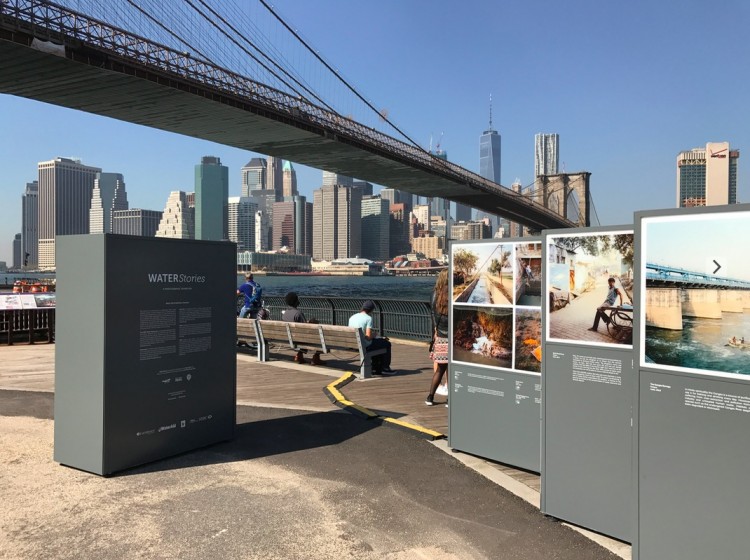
[
  {"x": 697, "y": 292},
  {"x": 528, "y": 352},
  {"x": 590, "y": 288},
  {"x": 528, "y": 285},
  {"x": 483, "y": 273},
  {"x": 483, "y": 335}
]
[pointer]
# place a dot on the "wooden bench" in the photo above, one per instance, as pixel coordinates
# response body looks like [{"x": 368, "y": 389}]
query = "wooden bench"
[{"x": 307, "y": 336}]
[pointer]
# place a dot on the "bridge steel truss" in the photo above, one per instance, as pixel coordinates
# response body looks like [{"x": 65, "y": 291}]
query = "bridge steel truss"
[
  {"x": 49, "y": 52},
  {"x": 657, "y": 274}
]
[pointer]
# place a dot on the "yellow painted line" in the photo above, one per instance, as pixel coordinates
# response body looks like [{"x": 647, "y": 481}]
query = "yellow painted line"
[
  {"x": 341, "y": 400},
  {"x": 415, "y": 427}
]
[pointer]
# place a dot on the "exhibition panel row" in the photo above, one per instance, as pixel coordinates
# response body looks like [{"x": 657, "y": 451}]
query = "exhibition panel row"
[{"x": 615, "y": 362}]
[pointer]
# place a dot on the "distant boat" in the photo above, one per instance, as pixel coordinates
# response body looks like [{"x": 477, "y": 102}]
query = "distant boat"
[{"x": 734, "y": 343}]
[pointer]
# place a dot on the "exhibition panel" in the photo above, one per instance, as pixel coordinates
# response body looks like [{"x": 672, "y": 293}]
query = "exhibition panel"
[
  {"x": 145, "y": 352},
  {"x": 588, "y": 378},
  {"x": 495, "y": 349},
  {"x": 693, "y": 397}
]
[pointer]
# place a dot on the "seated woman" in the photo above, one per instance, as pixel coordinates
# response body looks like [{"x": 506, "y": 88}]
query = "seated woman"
[{"x": 293, "y": 315}]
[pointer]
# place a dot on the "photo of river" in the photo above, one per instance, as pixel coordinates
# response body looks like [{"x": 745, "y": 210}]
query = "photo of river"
[
  {"x": 702, "y": 344},
  {"x": 696, "y": 301}
]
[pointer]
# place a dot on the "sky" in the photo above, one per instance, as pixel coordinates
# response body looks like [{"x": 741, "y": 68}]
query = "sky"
[
  {"x": 700, "y": 243},
  {"x": 626, "y": 85}
]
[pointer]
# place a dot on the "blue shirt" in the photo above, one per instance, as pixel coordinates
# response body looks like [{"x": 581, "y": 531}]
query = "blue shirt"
[
  {"x": 251, "y": 293},
  {"x": 363, "y": 321}
]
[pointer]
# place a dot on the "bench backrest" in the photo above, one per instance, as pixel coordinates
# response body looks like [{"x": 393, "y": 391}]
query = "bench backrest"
[{"x": 311, "y": 335}]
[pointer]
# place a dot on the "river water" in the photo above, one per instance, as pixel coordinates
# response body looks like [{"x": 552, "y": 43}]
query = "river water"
[
  {"x": 365, "y": 287},
  {"x": 702, "y": 344}
]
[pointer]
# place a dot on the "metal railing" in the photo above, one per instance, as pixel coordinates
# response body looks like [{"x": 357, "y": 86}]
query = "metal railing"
[
  {"x": 406, "y": 319},
  {"x": 51, "y": 21},
  {"x": 27, "y": 325}
]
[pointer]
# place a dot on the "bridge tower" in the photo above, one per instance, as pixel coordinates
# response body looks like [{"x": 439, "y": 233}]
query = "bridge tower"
[{"x": 567, "y": 194}]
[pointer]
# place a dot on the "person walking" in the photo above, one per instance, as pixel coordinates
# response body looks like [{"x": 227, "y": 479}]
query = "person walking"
[
  {"x": 439, "y": 353},
  {"x": 252, "y": 292},
  {"x": 363, "y": 320},
  {"x": 293, "y": 315}
]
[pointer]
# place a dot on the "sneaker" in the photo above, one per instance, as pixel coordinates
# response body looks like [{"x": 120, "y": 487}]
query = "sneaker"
[
  {"x": 442, "y": 390},
  {"x": 593, "y": 329},
  {"x": 388, "y": 370},
  {"x": 429, "y": 402}
]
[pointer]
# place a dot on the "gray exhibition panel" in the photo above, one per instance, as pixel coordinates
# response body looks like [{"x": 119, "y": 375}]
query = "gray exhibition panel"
[
  {"x": 588, "y": 383},
  {"x": 692, "y": 409},
  {"x": 495, "y": 410},
  {"x": 495, "y": 414},
  {"x": 145, "y": 361}
]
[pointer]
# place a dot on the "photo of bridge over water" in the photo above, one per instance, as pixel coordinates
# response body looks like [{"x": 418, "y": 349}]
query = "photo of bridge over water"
[{"x": 696, "y": 301}]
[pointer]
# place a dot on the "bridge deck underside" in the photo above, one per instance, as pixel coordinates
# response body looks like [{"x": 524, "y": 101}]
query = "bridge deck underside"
[{"x": 143, "y": 96}]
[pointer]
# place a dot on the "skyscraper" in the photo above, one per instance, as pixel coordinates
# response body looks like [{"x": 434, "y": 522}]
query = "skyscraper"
[
  {"x": 211, "y": 194},
  {"x": 178, "y": 218},
  {"x": 364, "y": 186},
  {"x": 253, "y": 176},
  {"x": 337, "y": 213},
  {"x": 17, "y": 253},
  {"x": 65, "y": 187},
  {"x": 330, "y": 178},
  {"x": 290, "y": 180},
  {"x": 283, "y": 226},
  {"x": 136, "y": 221},
  {"x": 108, "y": 195},
  {"x": 375, "y": 228},
  {"x": 707, "y": 177},
  {"x": 489, "y": 163},
  {"x": 399, "y": 230},
  {"x": 275, "y": 176},
  {"x": 241, "y": 219},
  {"x": 546, "y": 154},
  {"x": 30, "y": 225}
]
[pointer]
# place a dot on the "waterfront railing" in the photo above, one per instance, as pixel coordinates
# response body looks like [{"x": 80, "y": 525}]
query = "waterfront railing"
[{"x": 405, "y": 319}]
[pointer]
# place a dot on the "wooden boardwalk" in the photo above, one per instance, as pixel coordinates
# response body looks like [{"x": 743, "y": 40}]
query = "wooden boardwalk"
[{"x": 281, "y": 383}]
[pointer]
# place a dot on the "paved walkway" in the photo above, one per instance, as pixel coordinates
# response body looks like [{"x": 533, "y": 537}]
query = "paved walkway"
[
  {"x": 573, "y": 321},
  {"x": 282, "y": 384}
]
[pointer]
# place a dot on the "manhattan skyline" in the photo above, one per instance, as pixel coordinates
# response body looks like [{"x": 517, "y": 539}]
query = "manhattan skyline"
[{"x": 623, "y": 104}]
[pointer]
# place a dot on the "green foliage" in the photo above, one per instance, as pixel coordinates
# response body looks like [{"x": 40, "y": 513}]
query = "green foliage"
[
  {"x": 465, "y": 261},
  {"x": 596, "y": 245}
]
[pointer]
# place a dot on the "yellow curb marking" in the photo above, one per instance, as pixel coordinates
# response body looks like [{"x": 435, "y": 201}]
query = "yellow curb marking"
[{"x": 341, "y": 399}]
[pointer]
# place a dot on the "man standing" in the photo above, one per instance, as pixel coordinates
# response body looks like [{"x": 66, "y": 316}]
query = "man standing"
[
  {"x": 609, "y": 301},
  {"x": 363, "y": 320},
  {"x": 252, "y": 292}
]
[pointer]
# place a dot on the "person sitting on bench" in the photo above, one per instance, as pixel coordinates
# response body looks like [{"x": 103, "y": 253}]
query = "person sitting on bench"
[
  {"x": 363, "y": 320},
  {"x": 293, "y": 315}
]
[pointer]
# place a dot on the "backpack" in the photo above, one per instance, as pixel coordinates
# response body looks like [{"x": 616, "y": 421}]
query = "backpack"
[{"x": 257, "y": 295}]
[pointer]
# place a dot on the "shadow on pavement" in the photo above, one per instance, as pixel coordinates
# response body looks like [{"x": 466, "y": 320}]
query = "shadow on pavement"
[{"x": 267, "y": 436}]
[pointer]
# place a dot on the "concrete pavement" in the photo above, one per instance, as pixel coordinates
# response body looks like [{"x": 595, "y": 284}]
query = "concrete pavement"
[{"x": 291, "y": 485}]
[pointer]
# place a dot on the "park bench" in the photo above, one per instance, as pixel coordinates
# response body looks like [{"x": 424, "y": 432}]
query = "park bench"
[{"x": 306, "y": 336}]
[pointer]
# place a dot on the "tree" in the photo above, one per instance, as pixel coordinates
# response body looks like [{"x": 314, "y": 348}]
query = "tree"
[
  {"x": 465, "y": 261},
  {"x": 504, "y": 258}
]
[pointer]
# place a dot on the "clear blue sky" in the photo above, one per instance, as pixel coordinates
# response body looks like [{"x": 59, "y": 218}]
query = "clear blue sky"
[{"x": 626, "y": 85}]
